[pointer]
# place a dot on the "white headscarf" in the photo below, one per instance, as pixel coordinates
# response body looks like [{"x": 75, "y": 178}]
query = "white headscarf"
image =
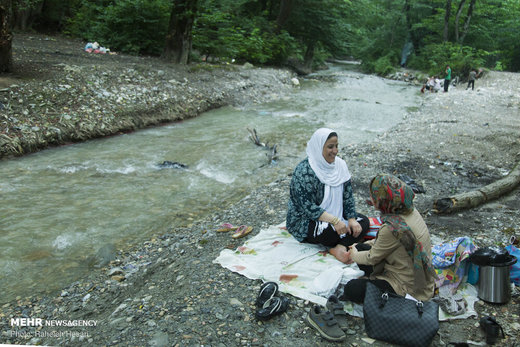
[{"x": 332, "y": 175}]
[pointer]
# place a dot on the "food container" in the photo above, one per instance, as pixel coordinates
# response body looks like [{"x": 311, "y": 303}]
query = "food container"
[{"x": 494, "y": 274}]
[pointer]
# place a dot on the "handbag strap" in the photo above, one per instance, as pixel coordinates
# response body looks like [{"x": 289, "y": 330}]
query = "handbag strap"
[
  {"x": 420, "y": 307},
  {"x": 384, "y": 299},
  {"x": 419, "y": 304}
]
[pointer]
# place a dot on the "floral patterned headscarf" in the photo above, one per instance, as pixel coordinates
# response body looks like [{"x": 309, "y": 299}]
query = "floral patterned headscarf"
[{"x": 393, "y": 197}]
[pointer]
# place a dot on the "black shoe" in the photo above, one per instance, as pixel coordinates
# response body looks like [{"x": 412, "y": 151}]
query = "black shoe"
[
  {"x": 267, "y": 291},
  {"x": 491, "y": 328},
  {"x": 272, "y": 307}
]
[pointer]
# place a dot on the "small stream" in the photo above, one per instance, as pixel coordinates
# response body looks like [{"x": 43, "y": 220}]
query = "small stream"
[{"x": 59, "y": 206}]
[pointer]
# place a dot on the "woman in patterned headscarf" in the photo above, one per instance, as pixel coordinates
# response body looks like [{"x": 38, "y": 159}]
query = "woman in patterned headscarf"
[
  {"x": 321, "y": 207},
  {"x": 399, "y": 259}
]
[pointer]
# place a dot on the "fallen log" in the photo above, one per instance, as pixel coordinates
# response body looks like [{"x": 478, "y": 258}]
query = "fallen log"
[{"x": 477, "y": 197}]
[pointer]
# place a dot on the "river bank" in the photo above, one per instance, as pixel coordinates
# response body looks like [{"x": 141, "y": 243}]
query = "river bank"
[
  {"x": 112, "y": 94},
  {"x": 167, "y": 291}
]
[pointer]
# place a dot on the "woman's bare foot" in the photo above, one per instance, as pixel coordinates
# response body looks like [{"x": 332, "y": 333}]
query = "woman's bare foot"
[{"x": 341, "y": 253}]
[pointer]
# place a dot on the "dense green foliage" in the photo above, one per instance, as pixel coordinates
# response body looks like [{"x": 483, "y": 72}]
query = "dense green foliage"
[
  {"x": 461, "y": 59},
  {"x": 382, "y": 34},
  {"x": 130, "y": 26},
  {"x": 229, "y": 33}
]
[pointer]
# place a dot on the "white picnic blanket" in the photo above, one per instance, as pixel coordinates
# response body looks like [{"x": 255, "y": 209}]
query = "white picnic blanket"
[{"x": 303, "y": 270}]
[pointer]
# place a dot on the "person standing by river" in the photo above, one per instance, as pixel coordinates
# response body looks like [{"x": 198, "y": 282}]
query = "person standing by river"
[
  {"x": 447, "y": 79},
  {"x": 472, "y": 78},
  {"x": 321, "y": 208}
]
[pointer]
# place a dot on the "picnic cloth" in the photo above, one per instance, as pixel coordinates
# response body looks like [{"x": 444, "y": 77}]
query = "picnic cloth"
[
  {"x": 309, "y": 272},
  {"x": 303, "y": 270}
]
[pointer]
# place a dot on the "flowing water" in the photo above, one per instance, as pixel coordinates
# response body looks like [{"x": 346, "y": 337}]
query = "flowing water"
[{"x": 59, "y": 206}]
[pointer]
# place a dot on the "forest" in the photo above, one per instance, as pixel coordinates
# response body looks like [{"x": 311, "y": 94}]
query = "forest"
[{"x": 383, "y": 35}]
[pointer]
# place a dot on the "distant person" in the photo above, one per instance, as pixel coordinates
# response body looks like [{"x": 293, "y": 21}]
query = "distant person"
[
  {"x": 471, "y": 79},
  {"x": 437, "y": 85},
  {"x": 447, "y": 78},
  {"x": 430, "y": 84}
]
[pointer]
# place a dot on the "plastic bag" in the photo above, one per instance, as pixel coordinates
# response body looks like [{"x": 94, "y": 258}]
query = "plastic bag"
[
  {"x": 326, "y": 283},
  {"x": 515, "y": 268}
]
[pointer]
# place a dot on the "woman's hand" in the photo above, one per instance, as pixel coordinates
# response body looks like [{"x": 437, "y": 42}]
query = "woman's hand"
[
  {"x": 352, "y": 250},
  {"x": 341, "y": 228},
  {"x": 354, "y": 227}
]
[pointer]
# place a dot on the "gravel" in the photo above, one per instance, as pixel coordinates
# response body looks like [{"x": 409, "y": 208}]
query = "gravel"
[{"x": 167, "y": 291}]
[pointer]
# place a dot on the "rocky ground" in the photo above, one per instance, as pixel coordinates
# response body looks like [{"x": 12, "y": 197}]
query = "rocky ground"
[{"x": 168, "y": 292}]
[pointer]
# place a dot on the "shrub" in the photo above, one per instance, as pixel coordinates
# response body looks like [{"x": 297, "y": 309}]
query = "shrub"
[{"x": 385, "y": 65}]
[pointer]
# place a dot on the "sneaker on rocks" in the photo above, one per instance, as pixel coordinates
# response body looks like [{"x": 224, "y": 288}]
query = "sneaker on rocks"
[
  {"x": 336, "y": 308},
  {"x": 323, "y": 321}
]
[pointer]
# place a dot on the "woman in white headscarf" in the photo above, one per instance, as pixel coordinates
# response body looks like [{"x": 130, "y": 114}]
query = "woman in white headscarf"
[{"x": 321, "y": 207}]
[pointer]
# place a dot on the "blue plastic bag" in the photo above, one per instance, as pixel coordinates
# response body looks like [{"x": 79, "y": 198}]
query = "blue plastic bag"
[
  {"x": 515, "y": 268},
  {"x": 473, "y": 273}
]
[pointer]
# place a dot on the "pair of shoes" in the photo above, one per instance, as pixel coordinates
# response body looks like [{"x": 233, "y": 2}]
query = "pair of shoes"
[
  {"x": 267, "y": 291},
  {"x": 272, "y": 307},
  {"x": 241, "y": 231},
  {"x": 269, "y": 304},
  {"x": 336, "y": 308},
  {"x": 324, "y": 321},
  {"x": 491, "y": 328}
]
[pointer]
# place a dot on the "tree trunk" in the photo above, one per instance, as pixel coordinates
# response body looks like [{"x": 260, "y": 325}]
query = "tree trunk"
[
  {"x": 6, "y": 36},
  {"x": 457, "y": 18},
  {"x": 477, "y": 197},
  {"x": 447, "y": 20},
  {"x": 178, "y": 38},
  {"x": 468, "y": 19},
  {"x": 283, "y": 15},
  {"x": 309, "y": 56}
]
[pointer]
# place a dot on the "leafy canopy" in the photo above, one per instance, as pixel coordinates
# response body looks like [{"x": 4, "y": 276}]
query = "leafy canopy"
[{"x": 373, "y": 31}]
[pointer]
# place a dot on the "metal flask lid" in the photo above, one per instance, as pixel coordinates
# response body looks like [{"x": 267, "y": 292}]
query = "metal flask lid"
[{"x": 492, "y": 256}]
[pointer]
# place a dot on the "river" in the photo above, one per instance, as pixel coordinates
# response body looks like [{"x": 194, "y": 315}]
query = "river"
[{"x": 59, "y": 206}]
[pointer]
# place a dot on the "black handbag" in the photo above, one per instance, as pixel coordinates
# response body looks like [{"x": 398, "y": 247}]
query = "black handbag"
[{"x": 393, "y": 318}]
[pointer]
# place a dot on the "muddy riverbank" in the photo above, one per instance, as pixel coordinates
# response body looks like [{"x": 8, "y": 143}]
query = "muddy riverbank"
[{"x": 167, "y": 291}]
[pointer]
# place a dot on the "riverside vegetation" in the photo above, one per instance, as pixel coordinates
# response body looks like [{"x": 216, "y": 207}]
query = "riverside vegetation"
[{"x": 167, "y": 291}]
